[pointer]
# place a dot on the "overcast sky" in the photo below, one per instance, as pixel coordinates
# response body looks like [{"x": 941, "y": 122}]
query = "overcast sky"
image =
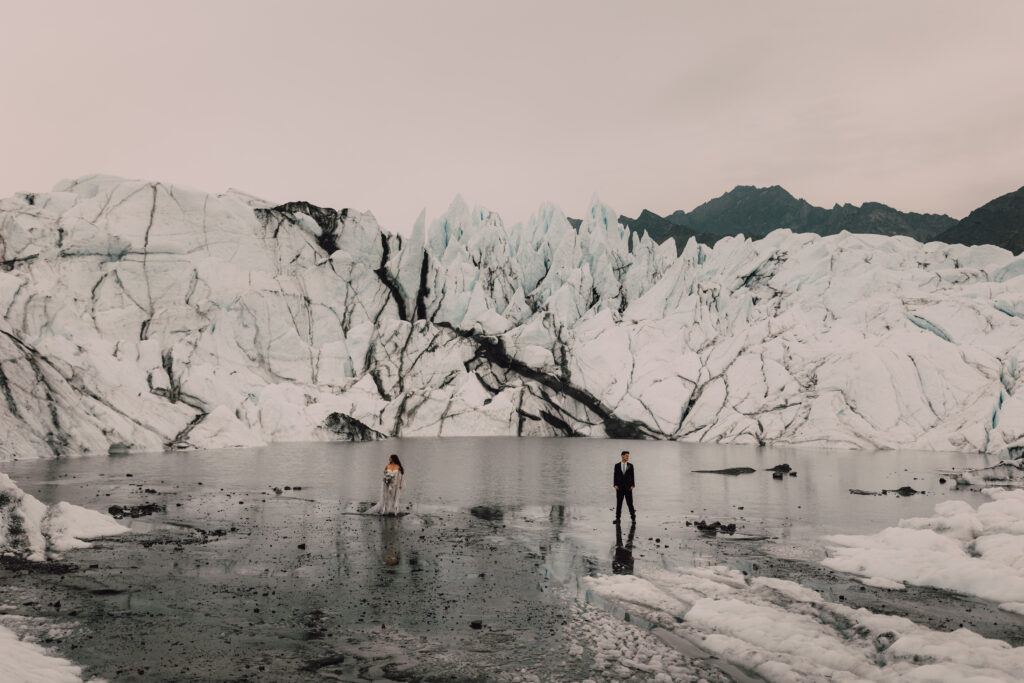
[{"x": 395, "y": 107}]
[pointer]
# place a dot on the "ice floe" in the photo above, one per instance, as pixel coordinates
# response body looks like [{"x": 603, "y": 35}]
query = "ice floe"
[
  {"x": 35, "y": 531},
  {"x": 973, "y": 551}
]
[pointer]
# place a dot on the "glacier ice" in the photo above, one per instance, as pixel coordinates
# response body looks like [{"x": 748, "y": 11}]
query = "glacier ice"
[{"x": 142, "y": 315}]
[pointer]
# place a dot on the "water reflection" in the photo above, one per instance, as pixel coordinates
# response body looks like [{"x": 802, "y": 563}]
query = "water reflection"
[
  {"x": 391, "y": 541},
  {"x": 622, "y": 563},
  {"x": 557, "y": 516},
  {"x": 490, "y": 513}
]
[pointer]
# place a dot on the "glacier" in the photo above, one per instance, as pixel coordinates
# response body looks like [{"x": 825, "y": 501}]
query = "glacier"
[{"x": 146, "y": 316}]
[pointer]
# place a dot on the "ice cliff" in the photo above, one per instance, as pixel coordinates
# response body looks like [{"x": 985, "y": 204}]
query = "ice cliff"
[{"x": 145, "y": 316}]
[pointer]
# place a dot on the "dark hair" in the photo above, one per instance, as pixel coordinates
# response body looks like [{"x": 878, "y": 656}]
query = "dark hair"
[
  {"x": 394, "y": 459},
  {"x": 624, "y": 453}
]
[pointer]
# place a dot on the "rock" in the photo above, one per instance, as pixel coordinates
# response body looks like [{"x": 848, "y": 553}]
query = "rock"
[
  {"x": 142, "y": 510},
  {"x": 777, "y": 475},
  {"x": 476, "y": 624},
  {"x": 350, "y": 429},
  {"x": 781, "y": 468},
  {"x": 731, "y": 471},
  {"x": 715, "y": 527},
  {"x": 903, "y": 491}
]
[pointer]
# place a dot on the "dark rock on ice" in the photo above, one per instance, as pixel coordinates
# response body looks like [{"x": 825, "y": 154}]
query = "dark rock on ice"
[
  {"x": 715, "y": 527},
  {"x": 903, "y": 491},
  {"x": 732, "y": 471},
  {"x": 350, "y": 428},
  {"x": 122, "y": 511}
]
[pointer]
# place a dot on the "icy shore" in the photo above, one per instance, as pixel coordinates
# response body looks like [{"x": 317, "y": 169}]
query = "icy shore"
[
  {"x": 31, "y": 530},
  {"x": 147, "y": 316}
]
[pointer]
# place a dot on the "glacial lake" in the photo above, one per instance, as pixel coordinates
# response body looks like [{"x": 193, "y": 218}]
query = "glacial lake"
[
  {"x": 497, "y": 533},
  {"x": 517, "y": 473}
]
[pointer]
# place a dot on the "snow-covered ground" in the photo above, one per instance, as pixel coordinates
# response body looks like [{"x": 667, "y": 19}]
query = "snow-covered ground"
[
  {"x": 22, "y": 662},
  {"x": 783, "y": 631},
  {"x": 787, "y": 632},
  {"x": 972, "y": 551},
  {"x": 145, "y": 316},
  {"x": 31, "y": 530}
]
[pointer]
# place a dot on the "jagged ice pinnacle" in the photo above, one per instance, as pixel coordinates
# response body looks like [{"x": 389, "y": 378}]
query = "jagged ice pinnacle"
[{"x": 146, "y": 316}]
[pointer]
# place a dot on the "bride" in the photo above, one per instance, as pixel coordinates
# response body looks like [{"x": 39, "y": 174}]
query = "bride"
[{"x": 390, "y": 489}]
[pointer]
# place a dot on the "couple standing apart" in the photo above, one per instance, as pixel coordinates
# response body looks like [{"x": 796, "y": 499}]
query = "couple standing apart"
[{"x": 623, "y": 480}]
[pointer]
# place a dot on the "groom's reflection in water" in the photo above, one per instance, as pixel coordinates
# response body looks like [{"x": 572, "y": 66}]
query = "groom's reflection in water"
[{"x": 622, "y": 563}]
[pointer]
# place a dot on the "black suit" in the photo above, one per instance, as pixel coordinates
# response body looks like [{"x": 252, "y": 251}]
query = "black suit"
[{"x": 624, "y": 482}]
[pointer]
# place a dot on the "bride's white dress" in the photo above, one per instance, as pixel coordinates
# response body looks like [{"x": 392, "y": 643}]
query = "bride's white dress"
[{"x": 390, "y": 489}]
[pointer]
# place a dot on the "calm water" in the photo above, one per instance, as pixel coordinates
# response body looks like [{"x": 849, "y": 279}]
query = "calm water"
[{"x": 573, "y": 476}]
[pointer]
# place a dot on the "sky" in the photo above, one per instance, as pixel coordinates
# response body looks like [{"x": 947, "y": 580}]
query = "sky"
[{"x": 396, "y": 107}]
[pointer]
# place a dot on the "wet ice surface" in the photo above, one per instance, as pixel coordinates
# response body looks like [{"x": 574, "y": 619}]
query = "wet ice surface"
[{"x": 235, "y": 581}]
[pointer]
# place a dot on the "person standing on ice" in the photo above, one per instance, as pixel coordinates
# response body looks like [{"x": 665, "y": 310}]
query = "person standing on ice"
[{"x": 624, "y": 483}]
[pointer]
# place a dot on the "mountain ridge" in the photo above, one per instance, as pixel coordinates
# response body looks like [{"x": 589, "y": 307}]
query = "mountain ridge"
[
  {"x": 1000, "y": 221},
  {"x": 755, "y": 211}
]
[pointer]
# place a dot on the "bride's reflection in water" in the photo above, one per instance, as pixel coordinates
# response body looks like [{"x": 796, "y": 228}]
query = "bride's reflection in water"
[
  {"x": 391, "y": 540},
  {"x": 622, "y": 563}
]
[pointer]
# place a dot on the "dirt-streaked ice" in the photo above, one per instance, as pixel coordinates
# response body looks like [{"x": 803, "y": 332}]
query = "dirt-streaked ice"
[{"x": 144, "y": 316}]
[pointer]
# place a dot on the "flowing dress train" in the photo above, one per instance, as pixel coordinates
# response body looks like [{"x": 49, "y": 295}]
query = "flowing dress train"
[{"x": 390, "y": 490}]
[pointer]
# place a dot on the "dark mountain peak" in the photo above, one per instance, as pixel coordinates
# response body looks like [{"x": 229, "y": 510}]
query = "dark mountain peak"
[
  {"x": 755, "y": 211},
  {"x": 999, "y": 222},
  {"x": 754, "y": 190},
  {"x": 748, "y": 209}
]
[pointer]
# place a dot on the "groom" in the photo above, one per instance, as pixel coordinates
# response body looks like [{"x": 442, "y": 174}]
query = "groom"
[{"x": 623, "y": 481}]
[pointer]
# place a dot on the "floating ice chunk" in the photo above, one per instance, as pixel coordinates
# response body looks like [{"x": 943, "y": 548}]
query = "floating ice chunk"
[
  {"x": 31, "y": 529},
  {"x": 977, "y": 552}
]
